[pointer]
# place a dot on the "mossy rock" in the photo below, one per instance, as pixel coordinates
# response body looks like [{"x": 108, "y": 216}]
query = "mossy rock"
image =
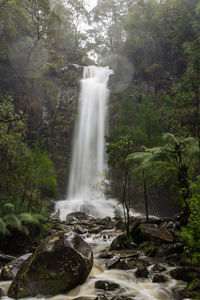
[{"x": 60, "y": 263}]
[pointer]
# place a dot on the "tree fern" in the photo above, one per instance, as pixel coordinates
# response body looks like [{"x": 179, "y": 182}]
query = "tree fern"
[
  {"x": 12, "y": 220},
  {"x": 28, "y": 219},
  {"x": 3, "y": 228}
]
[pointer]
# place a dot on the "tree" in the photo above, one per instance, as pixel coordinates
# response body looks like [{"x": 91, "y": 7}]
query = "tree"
[
  {"x": 119, "y": 184},
  {"x": 175, "y": 160}
]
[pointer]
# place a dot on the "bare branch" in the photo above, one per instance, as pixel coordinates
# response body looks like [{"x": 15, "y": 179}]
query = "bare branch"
[{"x": 3, "y": 2}]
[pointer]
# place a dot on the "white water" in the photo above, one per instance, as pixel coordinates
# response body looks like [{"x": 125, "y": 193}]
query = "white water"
[{"x": 88, "y": 156}]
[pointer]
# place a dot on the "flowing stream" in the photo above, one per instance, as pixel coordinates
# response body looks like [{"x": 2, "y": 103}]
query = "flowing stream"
[
  {"x": 88, "y": 155},
  {"x": 130, "y": 286}
]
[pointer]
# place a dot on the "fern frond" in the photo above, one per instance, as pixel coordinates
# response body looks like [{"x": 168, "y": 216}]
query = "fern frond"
[
  {"x": 12, "y": 220},
  {"x": 3, "y": 228},
  {"x": 8, "y": 208},
  {"x": 28, "y": 219},
  {"x": 39, "y": 217}
]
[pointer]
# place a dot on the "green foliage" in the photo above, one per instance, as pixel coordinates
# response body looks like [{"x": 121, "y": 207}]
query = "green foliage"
[{"x": 190, "y": 234}]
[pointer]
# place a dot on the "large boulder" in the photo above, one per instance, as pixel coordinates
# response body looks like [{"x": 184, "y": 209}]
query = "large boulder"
[
  {"x": 60, "y": 263},
  {"x": 10, "y": 270},
  {"x": 78, "y": 216},
  {"x": 151, "y": 232}
]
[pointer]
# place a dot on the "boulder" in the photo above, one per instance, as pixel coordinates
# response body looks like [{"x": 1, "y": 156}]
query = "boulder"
[
  {"x": 4, "y": 259},
  {"x": 78, "y": 216},
  {"x": 158, "y": 268},
  {"x": 159, "y": 278},
  {"x": 79, "y": 229},
  {"x": 60, "y": 263},
  {"x": 142, "y": 272},
  {"x": 10, "y": 270},
  {"x": 96, "y": 229},
  {"x": 121, "y": 298},
  {"x": 106, "y": 285},
  {"x": 121, "y": 243},
  {"x": 101, "y": 297},
  {"x": 128, "y": 264},
  {"x": 151, "y": 232},
  {"x": 112, "y": 262},
  {"x": 169, "y": 249}
]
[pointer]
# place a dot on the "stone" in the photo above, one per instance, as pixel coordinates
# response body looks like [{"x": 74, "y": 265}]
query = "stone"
[
  {"x": 112, "y": 262},
  {"x": 158, "y": 268},
  {"x": 106, "y": 285},
  {"x": 120, "y": 243},
  {"x": 101, "y": 297},
  {"x": 128, "y": 264},
  {"x": 96, "y": 229},
  {"x": 142, "y": 272},
  {"x": 121, "y": 298},
  {"x": 60, "y": 263},
  {"x": 169, "y": 249},
  {"x": 79, "y": 229},
  {"x": 159, "y": 278},
  {"x": 10, "y": 270},
  {"x": 4, "y": 259},
  {"x": 151, "y": 232},
  {"x": 78, "y": 216}
]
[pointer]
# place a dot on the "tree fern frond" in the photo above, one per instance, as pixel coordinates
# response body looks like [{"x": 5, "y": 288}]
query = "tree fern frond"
[
  {"x": 12, "y": 220},
  {"x": 28, "y": 219},
  {"x": 170, "y": 138},
  {"x": 8, "y": 208},
  {"x": 39, "y": 217},
  {"x": 3, "y": 228}
]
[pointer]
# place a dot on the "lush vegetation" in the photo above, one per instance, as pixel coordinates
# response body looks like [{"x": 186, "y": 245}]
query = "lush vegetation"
[{"x": 154, "y": 138}]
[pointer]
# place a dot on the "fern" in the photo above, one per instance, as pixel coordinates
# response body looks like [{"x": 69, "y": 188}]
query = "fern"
[
  {"x": 12, "y": 220},
  {"x": 3, "y": 228},
  {"x": 8, "y": 208},
  {"x": 28, "y": 219}
]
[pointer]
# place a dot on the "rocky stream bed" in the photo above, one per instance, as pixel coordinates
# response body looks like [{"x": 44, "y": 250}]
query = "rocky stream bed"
[{"x": 89, "y": 259}]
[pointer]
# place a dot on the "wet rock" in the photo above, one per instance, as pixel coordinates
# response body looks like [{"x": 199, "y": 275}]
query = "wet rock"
[
  {"x": 78, "y": 216},
  {"x": 96, "y": 229},
  {"x": 106, "y": 285},
  {"x": 4, "y": 259},
  {"x": 128, "y": 264},
  {"x": 60, "y": 263},
  {"x": 151, "y": 232},
  {"x": 106, "y": 255},
  {"x": 169, "y": 249},
  {"x": 158, "y": 268},
  {"x": 101, "y": 297},
  {"x": 121, "y": 298},
  {"x": 85, "y": 298},
  {"x": 159, "y": 278},
  {"x": 112, "y": 262},
  {"x": 120, "y": 225},
  {"x": 187, "y": 274},
  {"x": 107, "y": 222},
  {"x": 10, "y": 270},
  {"x": 120, "y": 243},
  {"x": 142, "y": 272},
  {"x": 80, "y": 230}
]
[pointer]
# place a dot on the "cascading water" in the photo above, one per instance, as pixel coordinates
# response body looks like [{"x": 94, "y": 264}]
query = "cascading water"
[{"x": 88, "y": 156}]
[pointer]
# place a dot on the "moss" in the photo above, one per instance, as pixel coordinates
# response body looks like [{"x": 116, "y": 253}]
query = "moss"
[
  {"x": 149, "y": 248},
  {"x": 193, "y": 289}
]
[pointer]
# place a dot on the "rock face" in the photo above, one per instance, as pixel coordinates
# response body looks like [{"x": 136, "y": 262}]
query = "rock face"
[
  {"x": 60, "y": 263},
  {"x": 146, "y": 232},
  {"x": 10, "y": 270}
]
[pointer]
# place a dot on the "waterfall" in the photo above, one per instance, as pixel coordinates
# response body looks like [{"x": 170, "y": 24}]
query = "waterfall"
[{"x": 88, "y": 155}]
